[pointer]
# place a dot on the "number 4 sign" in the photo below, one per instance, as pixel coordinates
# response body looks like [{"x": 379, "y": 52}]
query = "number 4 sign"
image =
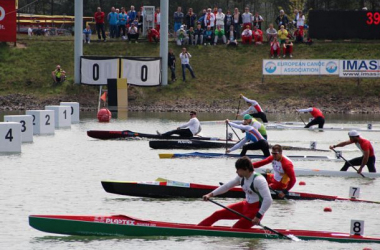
[{"x": 357, "y": 227}]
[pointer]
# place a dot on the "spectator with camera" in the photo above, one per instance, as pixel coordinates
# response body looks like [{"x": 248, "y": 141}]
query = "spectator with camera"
[
  {"x": 182, "y": 36},
  {"x": 185, "y": 63},
  {"x": 133, "y": 33},
  {"x": 275, "y": 48},
  {"x": 282, "y": 34}
]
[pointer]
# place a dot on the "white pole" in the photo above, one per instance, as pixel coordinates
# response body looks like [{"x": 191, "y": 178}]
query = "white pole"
[
  {"x": 164, "y": 31},
  {"x": 78, "y": 43}
]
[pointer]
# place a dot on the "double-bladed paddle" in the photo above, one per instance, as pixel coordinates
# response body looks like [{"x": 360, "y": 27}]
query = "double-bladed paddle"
[{"x": 289, "y": 237}]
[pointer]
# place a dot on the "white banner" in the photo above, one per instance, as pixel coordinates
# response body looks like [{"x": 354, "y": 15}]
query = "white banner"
[
  {"x": 96, "y": 71},
  {"x": 359, "y": 68},
  {"x": 142, "y": 72},
  {"x": 300, "y": 67},
  {"x": 138, "y": 71}
]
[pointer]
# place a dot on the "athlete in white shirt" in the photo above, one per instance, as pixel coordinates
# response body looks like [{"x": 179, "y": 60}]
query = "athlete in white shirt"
[
  {"x": 257, "y": 197},
  {"x": 189, "y": 129}
]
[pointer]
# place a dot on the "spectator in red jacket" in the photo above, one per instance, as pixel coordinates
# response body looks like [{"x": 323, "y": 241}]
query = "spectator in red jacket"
[
  {"x": 99, "y": 20},
  {"x": 275, "y": 47},
  {"x": 246, "y": 35},
  {"x": 153, "y": 34},
  {"x": 257, "y": 35}
]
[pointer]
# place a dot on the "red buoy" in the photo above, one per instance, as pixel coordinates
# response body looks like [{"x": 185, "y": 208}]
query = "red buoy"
[
  {"x": 367, "y": 248},
  {"x": 327, "y": 209},
  {"x": 302, "y": 183},
  {"x": 104, "y": 115}
]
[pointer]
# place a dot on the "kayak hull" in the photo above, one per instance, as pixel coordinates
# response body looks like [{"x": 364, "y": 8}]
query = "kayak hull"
[
  {"x": 175, "y": 189},
  {"x": 127, "y": 134},
  {"x": 122, "y": 225}
]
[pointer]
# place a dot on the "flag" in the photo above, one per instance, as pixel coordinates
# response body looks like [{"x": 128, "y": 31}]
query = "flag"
[{"x": 104, "y": 97}]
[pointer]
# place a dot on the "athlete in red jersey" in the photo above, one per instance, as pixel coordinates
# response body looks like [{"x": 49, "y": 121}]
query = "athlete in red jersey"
[
  {"x": 318, "y": 117},
  {"x": 254, "y": 109},
  {"x": 283, "y": 177},
  {"x": 365, "y": 146}
]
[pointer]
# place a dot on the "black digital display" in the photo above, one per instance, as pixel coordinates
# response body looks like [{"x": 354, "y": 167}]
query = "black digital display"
[{"x": 344, "y": 24}]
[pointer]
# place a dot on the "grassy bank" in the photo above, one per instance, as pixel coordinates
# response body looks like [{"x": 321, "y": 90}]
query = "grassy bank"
[{"x": 222, "y": 74}]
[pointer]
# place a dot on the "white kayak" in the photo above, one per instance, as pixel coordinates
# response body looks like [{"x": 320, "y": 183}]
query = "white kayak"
[
  {"x": 319, "y": 172},
  {"x": 296, "y": 127}
]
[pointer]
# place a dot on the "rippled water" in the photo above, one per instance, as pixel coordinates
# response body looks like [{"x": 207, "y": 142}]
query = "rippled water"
[{"x": 61, "y": 174}]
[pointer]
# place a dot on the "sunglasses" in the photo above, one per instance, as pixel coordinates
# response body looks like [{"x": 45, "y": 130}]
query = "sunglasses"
[
  {"x": 274, "y": 153},
  {"x": 192, "y": 114}
]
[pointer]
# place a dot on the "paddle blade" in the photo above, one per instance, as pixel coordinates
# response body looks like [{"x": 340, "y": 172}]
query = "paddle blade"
[
  {"x": 166, "y": 156},
  {"x": 161, "y": 179},
  {"x": 293, "y": 237}
]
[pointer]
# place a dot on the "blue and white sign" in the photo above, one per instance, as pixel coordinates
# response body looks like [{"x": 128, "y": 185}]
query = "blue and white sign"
[
  {"x": 300, "y": 67},
  {"x": 359, "y": 68}
]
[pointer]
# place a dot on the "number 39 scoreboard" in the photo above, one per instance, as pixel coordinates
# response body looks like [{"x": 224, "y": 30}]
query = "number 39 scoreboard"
[
  {"x": 344, "y": 24},
  {"x": 139, "y": 71}
]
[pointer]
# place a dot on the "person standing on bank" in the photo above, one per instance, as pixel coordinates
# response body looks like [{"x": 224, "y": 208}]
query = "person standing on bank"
[
  {"x": 257, "y": 197},
  {"x": 254, "y": 109},
  {"x": 189, "y": 129},
  {"x": 318, "y": 117},
  {"x": 368, "y": 158},
  {"x": 171, "y": 64},
  {"x": 185, "y": 62}
]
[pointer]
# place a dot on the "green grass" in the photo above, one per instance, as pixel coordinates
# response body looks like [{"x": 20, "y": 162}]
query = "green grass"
[{"x": 222, "y": 73}]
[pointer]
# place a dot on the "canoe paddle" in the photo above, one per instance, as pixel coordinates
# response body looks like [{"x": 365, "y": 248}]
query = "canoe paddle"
[
  {"x": 226, "y": 136},
  {"x": 234, "y": 131},
  {"x": 289, "y": 237},
  {"x": 237, "y": 113},
  {"x": 299, "y": 114},
  {"x": 340, "y": 156}
]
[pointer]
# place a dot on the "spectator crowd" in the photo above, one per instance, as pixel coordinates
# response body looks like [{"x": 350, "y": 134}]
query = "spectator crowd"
[{"x": 211, "y": 27}]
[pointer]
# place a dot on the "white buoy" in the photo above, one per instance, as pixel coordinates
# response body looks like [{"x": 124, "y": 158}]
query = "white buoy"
[
  {"x": 74, "y": 110},
  {"x": 26, "y": 122},
  {"x": 43, "y": 121},
  {"x": 10, "y": 137},
  {"x": 62, "y": 115}
]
